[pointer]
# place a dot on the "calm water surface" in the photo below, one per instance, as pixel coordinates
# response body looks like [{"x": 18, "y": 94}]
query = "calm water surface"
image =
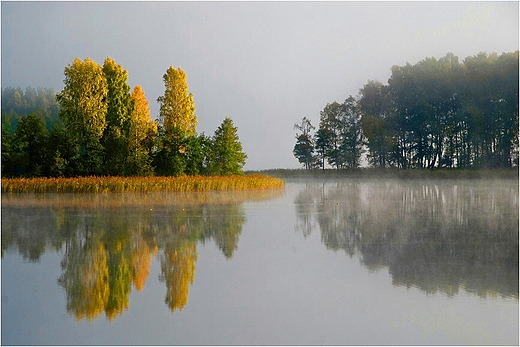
[{"x": 320, "y": 262}]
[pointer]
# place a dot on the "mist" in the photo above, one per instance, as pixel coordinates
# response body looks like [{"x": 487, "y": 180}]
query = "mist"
[{"x": 263, "y": 64}]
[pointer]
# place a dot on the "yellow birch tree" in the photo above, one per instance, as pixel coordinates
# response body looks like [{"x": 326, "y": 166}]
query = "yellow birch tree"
[
  {"x": 83, "y": 99},
  {"x": 177, "y": 108},
  {"x": 84, "y": 106}
]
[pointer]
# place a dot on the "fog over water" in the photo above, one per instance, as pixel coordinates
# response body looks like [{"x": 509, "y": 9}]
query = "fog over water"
[{"x": 348, "y": 262}]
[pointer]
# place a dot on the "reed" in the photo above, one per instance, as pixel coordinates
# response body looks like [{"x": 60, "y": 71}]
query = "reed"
[{"x": 96, "y": 184}]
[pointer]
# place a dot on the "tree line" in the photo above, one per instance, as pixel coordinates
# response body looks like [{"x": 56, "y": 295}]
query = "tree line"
[
  {"x": 433, "y": 114},
  {"x": 104, "y": 128},
  {"x": 16, "y": 103}
]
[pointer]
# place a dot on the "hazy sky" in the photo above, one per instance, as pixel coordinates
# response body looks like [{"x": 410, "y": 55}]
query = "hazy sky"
[{"x": 264, "y": 64}]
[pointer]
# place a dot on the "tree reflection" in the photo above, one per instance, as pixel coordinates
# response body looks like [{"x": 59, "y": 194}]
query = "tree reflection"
[
  {"x": 306, "y": 204},
  {"x": 85, "y": 278},
  {"x": 178, "y": 238},
  {"x": 224, "y": 225},
  {"x": 119, "y": 269},
  {"x": 437, "y": 237},
  {"x": 178, "y": 271},
  {"x": 32, "y": 231},
  {"x": 98, "y": 265},
  {"x": 110, "y": 246},
  {"x": 143, "y": 249}
]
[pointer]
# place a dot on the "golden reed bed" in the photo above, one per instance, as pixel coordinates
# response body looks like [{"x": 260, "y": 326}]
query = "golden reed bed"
[{"x": 96, "y": 184}]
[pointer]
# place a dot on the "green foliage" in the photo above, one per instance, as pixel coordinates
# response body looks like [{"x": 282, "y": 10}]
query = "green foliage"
[
  {"x": 329, "y": 123},
  {"x": 197, "y": 149},
  {"x": 448, "y": 114},
  {"x": 226, "y": 155},
  {"x": 8, "y": 153},
  {"x": 115, "y": 135},
  {"x": 16, "y": 103},
  {"x": 322, "y": 141},
  {"x": 351, "y": 139},
  {"x": 339, "y": 139},
  {"x": 83, "y": 112},
  {"x": 118, "y": 95},
  {"x": 170, "y": 158},
  {"x": 29, "y": 144},
  {"x": 373, "y": 104},
  {"x": 62, "y": 157},
  {"x": 108, "y": 131},
  {"x": 304, "y": 147},
  {"x": 433, "y": 114}
]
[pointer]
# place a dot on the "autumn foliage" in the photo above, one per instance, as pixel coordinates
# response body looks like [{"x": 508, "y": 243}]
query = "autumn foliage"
[{"x": 105, "y": 129}]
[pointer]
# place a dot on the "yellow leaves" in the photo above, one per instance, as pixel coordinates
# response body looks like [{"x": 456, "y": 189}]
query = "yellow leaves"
[
  {"x": 86, "y": 282},
  {"x": 141, "y": 125},
  {"x": 141, "y": 260},
  {"x": 177, "y": 108},
  {"x": 140, "y": 110},
  {"x": 83, "y": 98},
  {"x": 178, "y": 269}
]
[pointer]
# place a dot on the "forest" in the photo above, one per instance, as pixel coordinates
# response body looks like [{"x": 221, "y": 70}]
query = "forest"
[
  {"x": 437, "y": 113},
  {"x": 98, "y": 126}
]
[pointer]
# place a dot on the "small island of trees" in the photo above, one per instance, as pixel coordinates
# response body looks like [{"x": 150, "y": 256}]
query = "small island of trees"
[
  {"x": 434, "y": 114},
  {"x": 98, "y": 126}
]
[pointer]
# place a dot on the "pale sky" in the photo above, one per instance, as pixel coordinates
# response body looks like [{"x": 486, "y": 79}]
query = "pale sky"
[{"x": 265, "y": 65}]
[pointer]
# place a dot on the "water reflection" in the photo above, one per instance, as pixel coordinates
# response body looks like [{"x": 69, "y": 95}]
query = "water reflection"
[
  {"x": 437, "y": 237},
  {"x": 109, "y": 240}
]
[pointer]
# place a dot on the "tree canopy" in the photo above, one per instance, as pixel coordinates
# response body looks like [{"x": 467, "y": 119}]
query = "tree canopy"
[
  {"x": 17, "y": 103},
  {"x": 105, "y": 128},
  {"x": 177, "y": 108},
  {"x": 437, "y": 113},
  {"x": 227, "y": 157}
]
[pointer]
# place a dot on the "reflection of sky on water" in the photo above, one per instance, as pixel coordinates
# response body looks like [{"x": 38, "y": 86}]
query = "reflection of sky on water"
[
  {"x": 109, "y": 240},
  {"x": 240, "y": 272}
]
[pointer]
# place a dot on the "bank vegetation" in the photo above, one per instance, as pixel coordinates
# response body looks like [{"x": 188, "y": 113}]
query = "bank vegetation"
[{"x": 95, "y": 184}]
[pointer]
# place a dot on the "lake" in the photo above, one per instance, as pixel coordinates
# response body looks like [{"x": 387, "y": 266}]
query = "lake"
[{"x": 344, "y": 262}]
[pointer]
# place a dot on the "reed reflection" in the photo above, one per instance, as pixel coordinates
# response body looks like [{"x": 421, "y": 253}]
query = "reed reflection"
[
  {"x": 109, "y": 241},
  {"x": 437, "y": 237}
]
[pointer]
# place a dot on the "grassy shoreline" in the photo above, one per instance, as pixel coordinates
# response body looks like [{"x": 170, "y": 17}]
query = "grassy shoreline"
[
  {"x": 375, "y": 173},
  {"x": 95, "y": 184},
  {"x": 252, "y": 180}
]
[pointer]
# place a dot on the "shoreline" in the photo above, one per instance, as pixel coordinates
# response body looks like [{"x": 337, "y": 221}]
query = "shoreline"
[
  {"x": 391, "y": 173},
  {"x": 105, "y": 184}
]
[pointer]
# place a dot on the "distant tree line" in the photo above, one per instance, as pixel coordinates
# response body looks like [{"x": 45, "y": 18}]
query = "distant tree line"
[
  {"x": 16, "y": 103},
  {"x": 97, "y": 126},
  {"x": 434, "y": 114}
]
